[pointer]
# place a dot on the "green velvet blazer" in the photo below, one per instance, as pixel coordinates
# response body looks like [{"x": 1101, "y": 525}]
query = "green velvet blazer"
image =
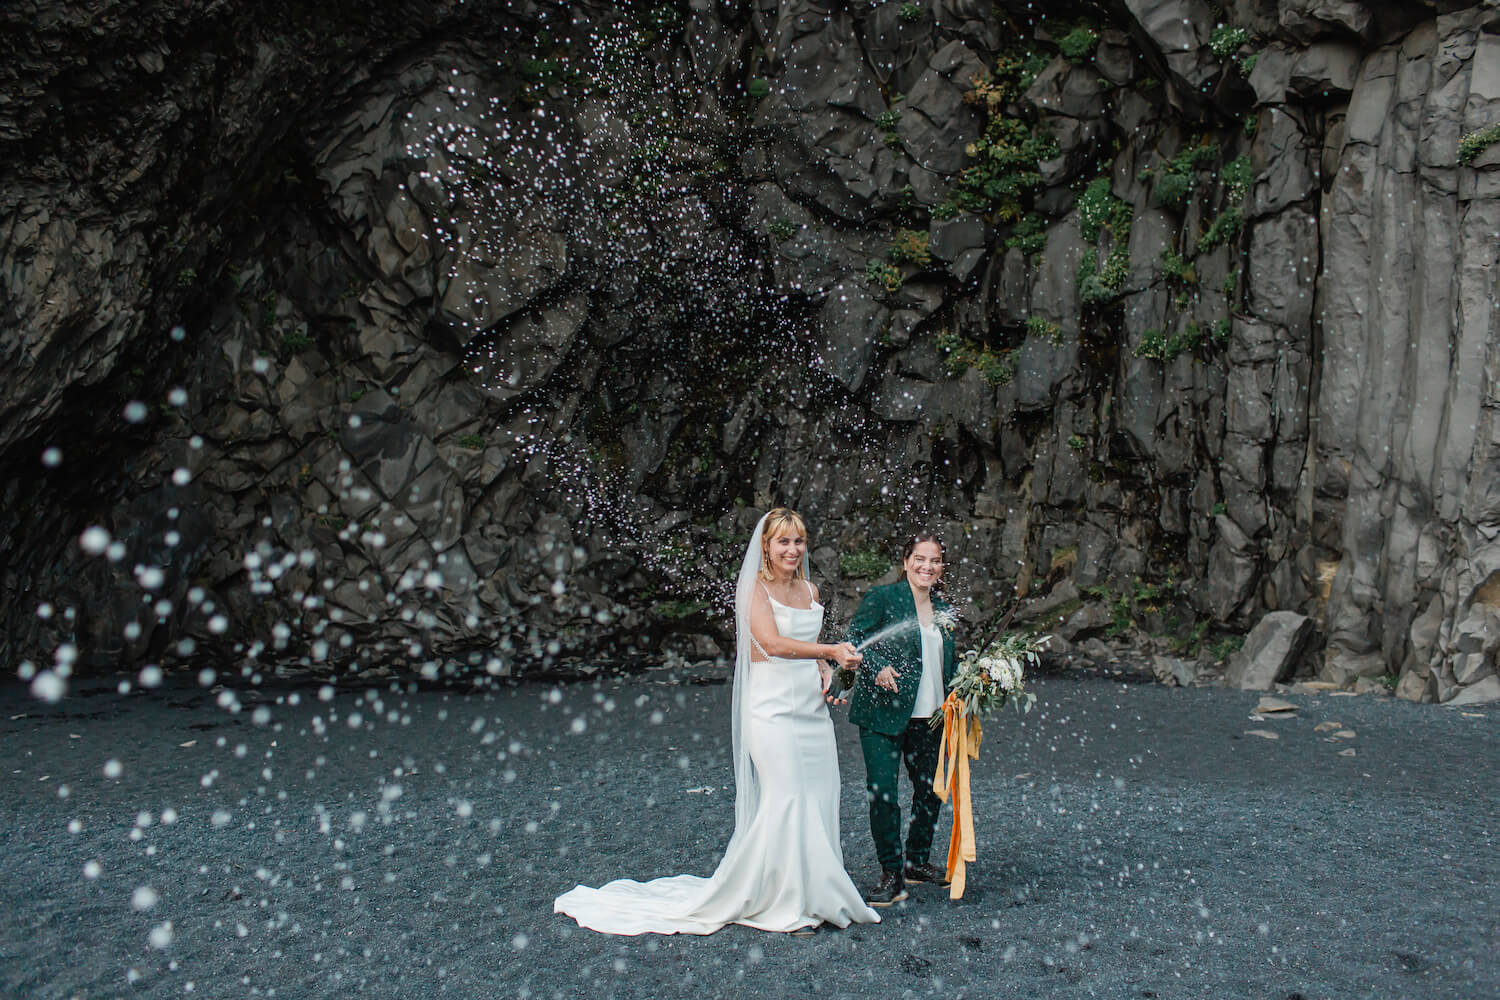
[{"x": 871, "y": 707}]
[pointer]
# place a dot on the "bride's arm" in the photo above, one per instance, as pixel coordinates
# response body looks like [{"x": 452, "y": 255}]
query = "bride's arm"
[{"x": 763, "y": 628}]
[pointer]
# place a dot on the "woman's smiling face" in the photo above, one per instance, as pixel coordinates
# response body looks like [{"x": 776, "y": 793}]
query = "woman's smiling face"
[
  {"x": 924, "y": 567},
  {"x": 784, "y": 553}
]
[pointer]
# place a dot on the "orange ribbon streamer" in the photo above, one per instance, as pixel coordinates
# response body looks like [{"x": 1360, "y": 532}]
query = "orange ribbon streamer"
[{"x": 961, "y": 736}]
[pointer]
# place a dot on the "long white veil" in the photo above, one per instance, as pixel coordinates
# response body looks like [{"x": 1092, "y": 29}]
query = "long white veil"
[{"x": 746, "y": 785}]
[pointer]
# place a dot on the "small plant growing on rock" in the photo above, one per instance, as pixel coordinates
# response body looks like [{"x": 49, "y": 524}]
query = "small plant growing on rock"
[
  {"x": 910, "y": 246},
  {"x": 1098, "y": 286},
  {"x": 944, "y": 210},
  {"x": 995, "y": 367},
  {"x": 1153, "y": 344},
  {"x": 1078, "y": 45},
  {"x": 1224, "y": 227},
  {"x": 783, "y": 230},
  {"x": 1221, "y": 330},
  {"x": 1043, "y": 328},
  {"x": 1226, "y": 40},
  {"x": 1172, "y": 190},
  {"x": 1177, "y": 267},
  {"x": 1226, "y": 647},
  {"x": 295, "y": 342},
  {"x": 1177, "y": 178},
  {"x": 888, "y": 276},
  {"x": 888, "y": 119},
  {"x": 864, "y": 564},
  {"x": 1078, "y": 443},
  {"x": 1098, "y": 208},
  {"x": 758, "y": 88},
  {"x": 473, "y": 442},
  {"x": 1030, "y": 235},
  {"x": 911, "y": 12},
  {"x": 1236, "y": 177},
  {"x": 1006, "y": 156},
  {"x": 1247, "y": 64},
  {"x": 1165, "y": 347},
  {"x": 186, "y": 277},
  {"x": 1471, "y": 145}
]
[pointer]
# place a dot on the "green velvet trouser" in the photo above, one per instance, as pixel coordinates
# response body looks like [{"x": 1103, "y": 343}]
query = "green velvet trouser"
[{"x": 918, "y": 746}]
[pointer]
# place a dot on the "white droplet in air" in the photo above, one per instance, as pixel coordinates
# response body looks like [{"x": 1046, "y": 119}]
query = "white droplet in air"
[
  {"x": 220, "y": 818},
  {"x": 181, "y": 476},
  {"x": 94, "y": 540},
  {"x": 178, "y": 334},
  {"x": 178, "y": 396},
  {"x": 161, "y": 935},
  {"x": 519, "y": 942},
  {"x": 92, "y": 869},
  {"x": 116, "y": 551},
  {"x": 206, "y": 677},
  {"x": 52, "y": 457},
  {"x": 112, "y": 768},
  {"x": 149, "y": 577},
  {"x": 135, "y": 411},
  {"x": 144, "y": 898},
  {"x": 48, "y": 686}
]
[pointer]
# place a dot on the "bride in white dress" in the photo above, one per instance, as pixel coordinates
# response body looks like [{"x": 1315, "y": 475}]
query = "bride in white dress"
[{"x": 784, "y": 867}]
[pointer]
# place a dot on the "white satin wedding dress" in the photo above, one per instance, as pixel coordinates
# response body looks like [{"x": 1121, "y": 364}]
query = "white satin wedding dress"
[{"x": 784, "y": 866}]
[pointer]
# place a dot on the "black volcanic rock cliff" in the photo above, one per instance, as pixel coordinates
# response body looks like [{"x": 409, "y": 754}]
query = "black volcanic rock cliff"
[{"x": 471, "y": 333}]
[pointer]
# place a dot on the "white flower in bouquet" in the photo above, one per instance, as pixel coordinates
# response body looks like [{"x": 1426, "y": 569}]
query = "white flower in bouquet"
[{"x": 1009, "y": 674}]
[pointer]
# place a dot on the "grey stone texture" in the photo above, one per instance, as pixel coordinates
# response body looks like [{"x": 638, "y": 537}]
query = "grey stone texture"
[
  {"x": 1272, "y": 651},
  {"x": 491, "y": 348}
]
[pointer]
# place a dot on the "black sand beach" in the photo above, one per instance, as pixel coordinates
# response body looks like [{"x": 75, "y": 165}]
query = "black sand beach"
[{"x": 1134, "y": 841}]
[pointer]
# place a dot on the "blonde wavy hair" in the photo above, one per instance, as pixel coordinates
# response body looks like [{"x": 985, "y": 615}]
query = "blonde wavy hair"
[{"x": 781, "y": 521}]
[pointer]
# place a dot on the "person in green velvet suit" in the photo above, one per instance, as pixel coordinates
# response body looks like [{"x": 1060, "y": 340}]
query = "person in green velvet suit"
[{"x": 902, "y": 683}]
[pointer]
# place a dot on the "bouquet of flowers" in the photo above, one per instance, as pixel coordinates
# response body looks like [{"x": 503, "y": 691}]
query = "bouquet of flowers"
[{"x": 987, "y": 678}]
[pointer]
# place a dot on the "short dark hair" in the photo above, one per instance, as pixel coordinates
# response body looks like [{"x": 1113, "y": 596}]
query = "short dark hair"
[{"x": 917, "y": 538}]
